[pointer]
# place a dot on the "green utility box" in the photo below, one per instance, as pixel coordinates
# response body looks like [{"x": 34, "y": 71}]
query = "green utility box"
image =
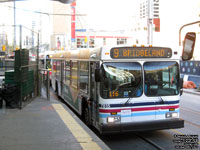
[
  {"x": 26, "y": 87},
  {"x": 21, "y": 65},
  {"x": 9, "y": 77}
]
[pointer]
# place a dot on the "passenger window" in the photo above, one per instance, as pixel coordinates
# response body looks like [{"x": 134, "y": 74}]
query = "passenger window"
[
  {"x": 84, "y": 73},
  {"x": 67, "y": 72},
  {"x": 74, "y": 77}
]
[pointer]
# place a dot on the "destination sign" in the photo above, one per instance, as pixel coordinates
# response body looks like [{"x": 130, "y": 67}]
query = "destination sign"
[{"x": 140, "y": 52}]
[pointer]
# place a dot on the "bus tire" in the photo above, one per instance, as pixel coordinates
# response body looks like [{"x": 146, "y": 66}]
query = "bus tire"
[{"x": 86, "y": 116}]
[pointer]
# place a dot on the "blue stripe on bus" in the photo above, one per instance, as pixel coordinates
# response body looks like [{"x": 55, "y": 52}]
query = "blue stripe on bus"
[
  {"x": 142, "y": 104},
  {"x": 138, "y": 114},
  {"x": 143, "y": 114}
]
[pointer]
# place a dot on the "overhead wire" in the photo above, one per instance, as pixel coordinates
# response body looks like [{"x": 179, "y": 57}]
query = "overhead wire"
[{"x": 45, "y": 13}]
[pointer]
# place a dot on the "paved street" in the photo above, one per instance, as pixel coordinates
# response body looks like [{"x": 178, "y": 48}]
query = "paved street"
[{"x": 190, "y": 112}]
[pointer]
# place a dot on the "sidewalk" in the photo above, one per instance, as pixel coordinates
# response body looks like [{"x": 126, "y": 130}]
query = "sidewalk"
[
  {"x": 41, "y": 126},
  {"x": 192, "y": 91}
]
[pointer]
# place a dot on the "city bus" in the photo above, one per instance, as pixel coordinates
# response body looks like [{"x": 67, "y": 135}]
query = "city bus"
[
  {"x": 45, "y": 62},
  {"x": 45, "y": 59},
  {"x": 121, "y": 88}
]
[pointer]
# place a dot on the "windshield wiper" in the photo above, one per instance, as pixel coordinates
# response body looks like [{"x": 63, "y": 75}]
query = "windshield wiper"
[
  {"x": 127, "y": 101},
  {"x": 162, "y": 100},
  {"x": 133, "y": 93}
]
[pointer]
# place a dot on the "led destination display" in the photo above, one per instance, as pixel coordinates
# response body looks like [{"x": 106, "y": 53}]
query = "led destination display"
[{"x": 140, "y": 52}]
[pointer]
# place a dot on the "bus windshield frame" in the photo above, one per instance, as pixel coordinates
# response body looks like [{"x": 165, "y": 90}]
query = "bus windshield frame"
[
  {"x": 161, "y": 78},
  {"x": 121, "y": 80}
]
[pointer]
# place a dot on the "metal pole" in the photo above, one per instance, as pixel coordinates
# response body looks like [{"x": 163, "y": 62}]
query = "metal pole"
[
  {"x": 48, "y": 85},
  {"x": 20, "y": 68},
  {"x": 20, "y": 42},
  {"x": 37, "y": 71},
  {"x": 40, "y": 82},
  {"x": 14, "y": 44},
  {"x": 151, "y": 32},
  {"x": 149, "y": 23}
]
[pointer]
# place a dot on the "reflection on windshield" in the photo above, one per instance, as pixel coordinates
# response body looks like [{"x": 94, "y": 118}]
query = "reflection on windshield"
[
  {"x": 161, "y": 79},
  {"x": 187, "y": 49},
  {"x": 121, "y": 80}
]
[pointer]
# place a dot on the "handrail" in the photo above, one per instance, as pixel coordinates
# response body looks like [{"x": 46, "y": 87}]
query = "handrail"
[{"x": 183, "y": 27}]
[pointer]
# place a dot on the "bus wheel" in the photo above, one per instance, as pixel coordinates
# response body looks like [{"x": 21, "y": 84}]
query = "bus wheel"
[{"x": 86, "y": 116}]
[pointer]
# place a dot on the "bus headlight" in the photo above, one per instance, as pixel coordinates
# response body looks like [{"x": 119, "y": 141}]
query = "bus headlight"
[
  {"x": 171, "y": 115},
  {"x": 174, "y": 115},
  {"x": 113, "y": 119}
]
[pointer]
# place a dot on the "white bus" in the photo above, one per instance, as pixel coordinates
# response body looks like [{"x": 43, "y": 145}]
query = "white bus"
[{"x": 121, "y": 89}]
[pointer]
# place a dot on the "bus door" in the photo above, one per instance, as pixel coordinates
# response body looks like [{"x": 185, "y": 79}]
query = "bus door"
[
  {"x": 62, "y": 76},
  {"x": 162, "y": 84},
  {"x": 94, "y": 91}
]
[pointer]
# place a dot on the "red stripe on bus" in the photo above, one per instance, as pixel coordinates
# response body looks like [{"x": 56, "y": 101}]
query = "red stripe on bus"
[{"x": 138, "y": 109}]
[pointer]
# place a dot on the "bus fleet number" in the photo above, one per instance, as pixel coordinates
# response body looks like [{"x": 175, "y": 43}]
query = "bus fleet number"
[{"x": 105, "y": 105}]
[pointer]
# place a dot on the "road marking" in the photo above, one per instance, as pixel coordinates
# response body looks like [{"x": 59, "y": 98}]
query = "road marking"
[
  {"x": 194, "y": 124},
  {"x": 177, "y": 132},
  {"x": 84, "y": 139}
]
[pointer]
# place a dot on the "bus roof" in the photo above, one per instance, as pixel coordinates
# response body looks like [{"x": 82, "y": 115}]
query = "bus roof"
[
  {"x": 116, "y": 53},
  {"x": 77, "y": 54}
]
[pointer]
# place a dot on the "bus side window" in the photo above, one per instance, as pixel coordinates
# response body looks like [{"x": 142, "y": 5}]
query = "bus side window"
[
  {"x": 74, "y": 74},
  {"x": 67, "y": 72},
  {"x": 58, "y": 65},
  {"x": 54, "y": 68},
  {"x": 84, "y": 76}
]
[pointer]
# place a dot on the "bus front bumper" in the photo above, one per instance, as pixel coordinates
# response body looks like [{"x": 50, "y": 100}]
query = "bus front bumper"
[{"x": 142, "y": 126}]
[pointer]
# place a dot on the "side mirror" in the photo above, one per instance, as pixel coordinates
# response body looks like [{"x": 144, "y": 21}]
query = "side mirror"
[
  {"x": 188, "y": 45},
  {"x": 181, "y": 86},
  {"x": 98, "y": 75},
  {"x": 181, "y": 83}
]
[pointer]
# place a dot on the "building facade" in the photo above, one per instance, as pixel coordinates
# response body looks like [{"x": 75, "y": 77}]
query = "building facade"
[{"x": 61, "y": 26}]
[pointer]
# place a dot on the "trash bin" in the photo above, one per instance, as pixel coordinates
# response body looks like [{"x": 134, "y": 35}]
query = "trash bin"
[{"x": 11, "y": 96}]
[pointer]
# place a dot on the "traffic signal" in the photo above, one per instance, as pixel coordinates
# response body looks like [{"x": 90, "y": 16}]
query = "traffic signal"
[{"x": 4, "y": 48}]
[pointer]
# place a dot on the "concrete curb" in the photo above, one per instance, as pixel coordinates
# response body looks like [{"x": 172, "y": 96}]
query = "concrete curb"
[{"x": 191, "y": 91}]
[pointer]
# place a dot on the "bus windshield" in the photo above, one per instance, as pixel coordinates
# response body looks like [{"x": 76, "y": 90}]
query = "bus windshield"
[
  {"x": 121, "y": 80},
  {"x": 161, "y": 78}
]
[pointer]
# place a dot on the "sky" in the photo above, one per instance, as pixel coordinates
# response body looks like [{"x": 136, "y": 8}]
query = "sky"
[
  {"x": 25, "y": 14},
  {"x": 25, "y": 10},
  {"x": 107, "y": 14},
  {"x": 119, "y": 15},
  {"x": 25, "y": 17}
]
